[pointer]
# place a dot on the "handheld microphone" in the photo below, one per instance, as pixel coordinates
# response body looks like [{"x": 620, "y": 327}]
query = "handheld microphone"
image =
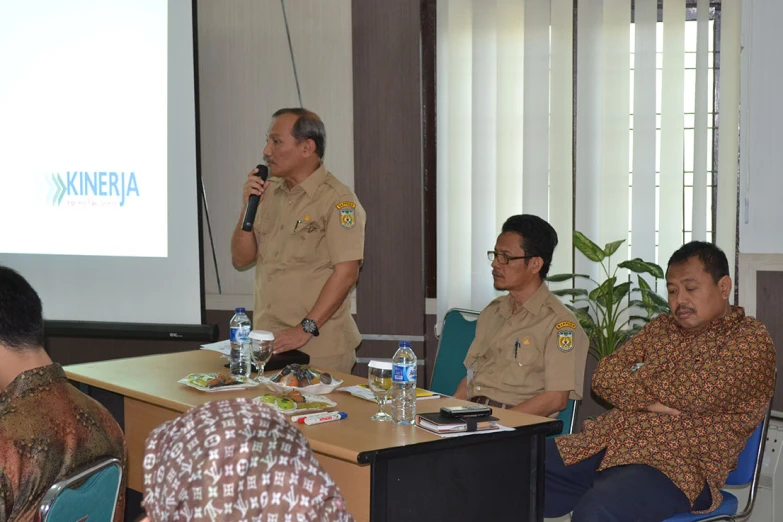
[{"x": 252, "y": 202}]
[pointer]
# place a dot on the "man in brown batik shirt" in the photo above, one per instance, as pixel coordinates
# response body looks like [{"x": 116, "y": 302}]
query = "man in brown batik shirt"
[
  {"x": 48, "y": 428},
  {"x": 687, "y": 391}
]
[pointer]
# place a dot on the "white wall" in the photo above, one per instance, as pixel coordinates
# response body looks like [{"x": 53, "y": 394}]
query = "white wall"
[
  {"x": 245, "y": 74},
  {"x": 761, "y": 118}
]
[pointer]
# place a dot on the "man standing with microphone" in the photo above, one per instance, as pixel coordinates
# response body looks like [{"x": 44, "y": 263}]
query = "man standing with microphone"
[{"x": 307, "y": 242}]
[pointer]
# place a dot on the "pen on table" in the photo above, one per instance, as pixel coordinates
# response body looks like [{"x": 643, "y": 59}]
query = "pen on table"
[
  {"x": 516, "y": 348},
  {"x": 295, "y": 418},
  {"x": 326, "y": 417}
]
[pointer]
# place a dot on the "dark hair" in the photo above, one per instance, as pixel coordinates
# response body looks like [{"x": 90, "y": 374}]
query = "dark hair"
[
  {"x": 21, "y": 314},
  {"x": 712, "y": 258},
  {"x": 538, "y": 237},
  {"x": 308, "y": 126}
]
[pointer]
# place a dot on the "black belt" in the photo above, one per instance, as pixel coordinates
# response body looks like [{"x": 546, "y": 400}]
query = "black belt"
[{"x": 481, "y": 399}]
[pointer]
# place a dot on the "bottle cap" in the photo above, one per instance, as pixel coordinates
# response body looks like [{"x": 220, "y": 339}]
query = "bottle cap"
[{"x": 239, "y": 310}]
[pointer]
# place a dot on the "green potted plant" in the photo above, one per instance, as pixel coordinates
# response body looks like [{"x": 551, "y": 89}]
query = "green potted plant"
[{"x": 612, "y": 311}]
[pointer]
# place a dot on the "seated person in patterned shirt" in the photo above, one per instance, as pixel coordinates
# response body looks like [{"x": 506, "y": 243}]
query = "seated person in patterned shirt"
[
  {"x": 235, "y": 460},
  {"x": 687, "y": 390},
  {"x": 48, "y": 428},
  {"x": 529, "y": 352}
]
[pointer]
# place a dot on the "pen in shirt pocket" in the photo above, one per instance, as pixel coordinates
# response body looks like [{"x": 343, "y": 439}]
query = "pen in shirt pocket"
[{"x": 516, "y": 348}]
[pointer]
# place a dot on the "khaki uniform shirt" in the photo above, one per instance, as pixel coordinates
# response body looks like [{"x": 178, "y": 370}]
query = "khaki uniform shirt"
[
  {"x": 519, "y": 355},
  {"x": 301, "y": 234}
]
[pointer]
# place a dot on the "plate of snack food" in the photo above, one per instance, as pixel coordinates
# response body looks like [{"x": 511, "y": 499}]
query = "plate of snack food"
[
  {"x": 301, "y": 377},
  {"x": 215, "y": 382},
  {"x": 295, "y": 402}
]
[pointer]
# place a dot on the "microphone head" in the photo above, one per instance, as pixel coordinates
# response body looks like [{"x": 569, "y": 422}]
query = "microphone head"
[{"x": 263, "y": 172}]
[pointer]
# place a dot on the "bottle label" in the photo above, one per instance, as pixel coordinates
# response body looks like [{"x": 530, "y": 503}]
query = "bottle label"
[
  {"x": 238, "y": 334},
  {"x": 404, "y": 373}
]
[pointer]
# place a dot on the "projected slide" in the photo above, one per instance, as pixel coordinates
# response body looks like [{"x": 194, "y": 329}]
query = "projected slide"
[{"x": 83, "y": 127}]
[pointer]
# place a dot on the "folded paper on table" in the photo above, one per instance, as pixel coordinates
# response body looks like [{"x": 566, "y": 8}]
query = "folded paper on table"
[
  {"x": 363, "y": 391},
  {"x": 223, "y": 347}
]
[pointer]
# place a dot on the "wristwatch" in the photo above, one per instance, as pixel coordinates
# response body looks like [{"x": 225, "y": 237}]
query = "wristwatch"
[{"x": 309, "y": 326}]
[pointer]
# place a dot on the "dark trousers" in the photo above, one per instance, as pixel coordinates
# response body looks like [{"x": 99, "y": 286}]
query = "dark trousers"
[{"x": 632, "y": 493}]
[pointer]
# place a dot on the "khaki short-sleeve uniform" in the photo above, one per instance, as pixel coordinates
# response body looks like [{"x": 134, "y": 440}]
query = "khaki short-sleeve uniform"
[
  {"x": 520, "y": 354},
  {"x": 301, "y": 234}
]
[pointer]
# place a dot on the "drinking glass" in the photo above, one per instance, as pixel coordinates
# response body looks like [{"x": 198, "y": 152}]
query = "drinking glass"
[
  {"x": 263, "y": 344},
  {"x": 379, "y": 378}
]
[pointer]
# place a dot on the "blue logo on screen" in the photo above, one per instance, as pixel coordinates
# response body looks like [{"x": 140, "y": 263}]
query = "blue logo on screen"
[{"x": 92, "y": 188}]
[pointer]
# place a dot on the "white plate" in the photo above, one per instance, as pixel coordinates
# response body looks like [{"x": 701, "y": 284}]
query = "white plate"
[
  {"x": 243, "y": 384},
  {"x": 313, "y": 388},
  {"x": 302, "y": 408}
]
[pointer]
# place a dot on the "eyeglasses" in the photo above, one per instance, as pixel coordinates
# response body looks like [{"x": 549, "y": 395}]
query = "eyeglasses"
[{"x": 504, "y": 259}]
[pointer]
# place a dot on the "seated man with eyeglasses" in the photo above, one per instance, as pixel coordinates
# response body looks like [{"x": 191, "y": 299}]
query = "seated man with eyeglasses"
[{"x": 529, "y": 352}]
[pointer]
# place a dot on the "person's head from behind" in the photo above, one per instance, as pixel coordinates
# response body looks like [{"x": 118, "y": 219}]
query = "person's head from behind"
[
  {"x": 21, "y": 313},
  {"x": 21, "y": 327},
  {"x": 698, "y": 284},
  {"x": 234, "y": 460},
  {"x": 295, "y": 142},
  {"x": 523, "y": 252}
]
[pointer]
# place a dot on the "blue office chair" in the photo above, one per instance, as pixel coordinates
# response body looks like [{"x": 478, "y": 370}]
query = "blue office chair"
[
  {"x": 746, "y": 473},
  {"x": 459, "y": 330},
  {"x": 568, "y": 416},
  {"x": 88, "y": 494}
]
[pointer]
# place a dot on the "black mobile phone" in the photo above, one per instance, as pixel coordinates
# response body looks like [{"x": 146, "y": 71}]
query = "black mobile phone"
[{"x": 476, "y": 410}]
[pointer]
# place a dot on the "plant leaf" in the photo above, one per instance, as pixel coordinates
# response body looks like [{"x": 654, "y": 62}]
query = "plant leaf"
[
  {"x": 612, "y": 247},
  {"x": 620, "y": 291},
  {"x": 584, "y": 318},
  {"x": 655, "y": 298},
  {"x": 602, "y": 291},
  {"x": 590, "y": 250},
  {"x": 640, "y": 266},
  {"x": 559, "y": 278},
  {"x": 570, "y": 291}
]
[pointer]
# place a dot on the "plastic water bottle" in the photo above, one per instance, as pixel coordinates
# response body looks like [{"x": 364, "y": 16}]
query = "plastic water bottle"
[
  {"x": 239, "y": 329},
  {"x": 404, "y": 384}
]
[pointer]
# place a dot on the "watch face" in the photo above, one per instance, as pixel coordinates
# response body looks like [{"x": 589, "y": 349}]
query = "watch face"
[{"x": 309, "y": 326}]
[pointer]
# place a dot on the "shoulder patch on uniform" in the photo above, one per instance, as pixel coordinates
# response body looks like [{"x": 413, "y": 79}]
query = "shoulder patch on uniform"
[
  {"x": 565, "y": 341},
  {"x": 347, "y": 214},
  {"x": 565, "y": 324}
]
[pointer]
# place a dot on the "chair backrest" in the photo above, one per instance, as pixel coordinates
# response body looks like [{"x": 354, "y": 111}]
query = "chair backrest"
[
  {"x": 459, "y": 329},
  {"x": 568, "y": 416},
  {"x": 87, "y": 495},
  {"x": 746, "y": 462}
]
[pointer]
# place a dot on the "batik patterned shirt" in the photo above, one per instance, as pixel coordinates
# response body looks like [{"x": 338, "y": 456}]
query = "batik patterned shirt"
[
  {"x": 720, "y": 379},
  {"x": 48, "y": 429}
]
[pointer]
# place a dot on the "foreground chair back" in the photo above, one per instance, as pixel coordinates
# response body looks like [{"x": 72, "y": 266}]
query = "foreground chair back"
[
  {"x": 746, "y": 474},
  {"x": 87, "y": 495},
  {"x": 459, "y": 330}
]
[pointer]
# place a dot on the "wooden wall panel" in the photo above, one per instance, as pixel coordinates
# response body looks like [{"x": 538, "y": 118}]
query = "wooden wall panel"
[
  {"x": 388, "y": 164},
  {"x": 769, "y": 288}
]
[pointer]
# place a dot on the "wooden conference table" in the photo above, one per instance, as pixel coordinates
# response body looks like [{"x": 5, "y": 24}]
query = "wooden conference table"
[{"x": 386, "y": 472}]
